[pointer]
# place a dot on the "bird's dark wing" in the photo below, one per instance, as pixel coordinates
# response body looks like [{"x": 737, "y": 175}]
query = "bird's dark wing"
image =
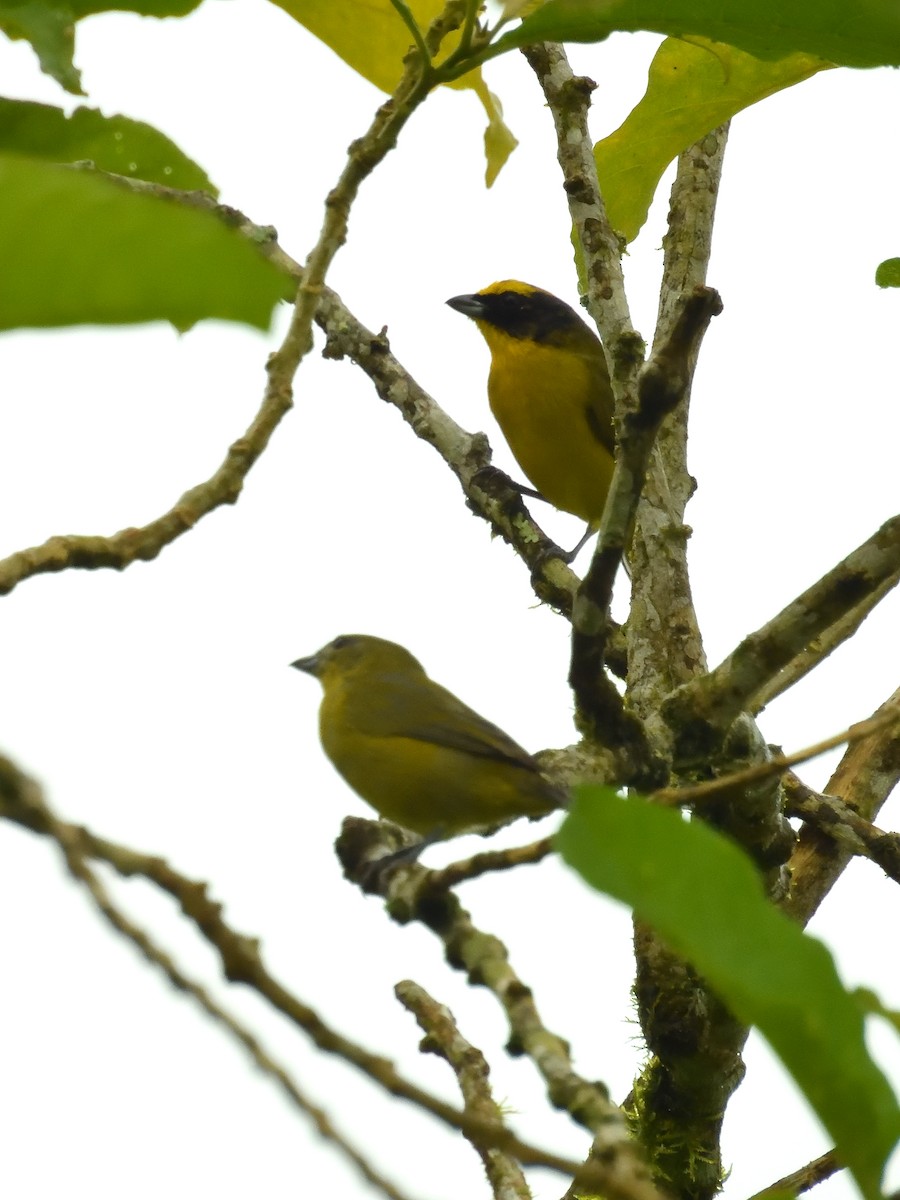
[
  {"x": 422, "y": 709},
  {"x": 599, "y": 409}
]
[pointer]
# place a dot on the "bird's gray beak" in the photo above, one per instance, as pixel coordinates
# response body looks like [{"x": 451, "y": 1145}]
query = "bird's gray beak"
[
  {"x": 310, "y": 664},
  {"x": 469, "y": 306}
]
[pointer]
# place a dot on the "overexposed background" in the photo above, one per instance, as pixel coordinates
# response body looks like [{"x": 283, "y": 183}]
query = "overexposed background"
[{"x": 156, "y": 705}]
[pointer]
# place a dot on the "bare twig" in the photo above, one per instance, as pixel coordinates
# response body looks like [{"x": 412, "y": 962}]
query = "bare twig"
[
  {"x": 242, "y": 962},
  {"x": 662, "y": 385},
  {"x": 863, "y": 780},
  {"x": 820, "y": 647},
  {"x": 21, "y": 800},
  {"x": 490, "y": 493},
  {"x": 832, "y": 816},
  {"x": 442, "y": 1036},
  {"x": 708, "y": 706},
  {"x": 778, "y": 763},
  {"x": 490, "y": 861},
  {"x": 119, "y": 550},
  {"x": 681, "y": 1097},
  {"x": 617, "y": 1167},
  {"x": 569, "y": 97},
  {"x": 802, "y": 1180}
]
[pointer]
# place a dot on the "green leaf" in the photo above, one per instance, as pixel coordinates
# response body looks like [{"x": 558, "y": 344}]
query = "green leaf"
[
  {"x": 112, "y": 143},
  {"x": 705, "y": 898},
  {"x": 79, "y": 249},
  {"x": 887, "y": 273},
  {"x": 692, "y": 87},
  {"x": 50, "y": 28},
  {"x": 864, "y": 34},
  {"x": 372, "y": 39},
  {"x": 870, "y": 1002}
]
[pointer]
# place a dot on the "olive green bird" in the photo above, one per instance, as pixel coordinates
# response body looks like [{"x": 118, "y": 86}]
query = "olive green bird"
[{"x": 412, "y": 750}]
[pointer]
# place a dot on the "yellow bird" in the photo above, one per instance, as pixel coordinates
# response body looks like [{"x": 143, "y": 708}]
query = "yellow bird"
[
  {"x": 549, "y": 390},
  {"x": 412, "y": 750}
]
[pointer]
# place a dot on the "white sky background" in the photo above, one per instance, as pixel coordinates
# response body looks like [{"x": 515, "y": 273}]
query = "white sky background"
[{"x": 157, "y": 706}]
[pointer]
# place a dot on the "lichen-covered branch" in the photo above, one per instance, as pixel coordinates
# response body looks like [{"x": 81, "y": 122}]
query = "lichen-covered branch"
[
  {"x": 662, "y": 385},
  {"x": 864, "y": 778},
  {"x": 680, "y": 1098},
  {"x": 702, "y": 710},
  {"x": 820, "y": 647},
  {"x": 363, "y": 156},
  {"x": 22, "y": 801},
  {"x": 665, "y": 648},
  {"x": 777, "y": 765},
  {"x": 848, "y": 828},
  {"x": 569, "y": 97},
  {"x": 491, "y": 862},
  {"x": 224, "y": 486},
  {"x": 617, "y": 1167},
  {"x": 442, "y": 1037},
  {"x": 491, "y": 494},
  {"x": 802, "y": 1180},
  {"x": 120, "y": 550}
]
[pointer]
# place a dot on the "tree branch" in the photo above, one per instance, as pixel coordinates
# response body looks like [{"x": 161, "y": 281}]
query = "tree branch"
[
  {"x": 490, "y": 493},
  {"x": 820, "y": 647},
  {"x": 569, "y": 98},
  {"x": 121, "y": 549},
  {"x": 442, "y": 1037},
  {"x": 616, "y": 1165},
  {"x": 863, "y": 780},
  {"x": 695, "y": 1043},
  {"x": 802, "y": 1180},
  {"x": 662, "y": 385},
  {"x": 778, "y": 764},
  {"x": 22, "y": 801},
  {"x": 831, "y": 816},
  {"x": 702, "y": 710}
]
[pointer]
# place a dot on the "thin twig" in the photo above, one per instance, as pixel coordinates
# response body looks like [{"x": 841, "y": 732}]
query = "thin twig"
[
  {"x": 242, "y": 962},
  {"x": 820, "y": 647},
  {"x": 617, "y": 1168},
  {"x": 803, "y": 1179},
  {"x": 119, "y": 550},
  {"x": 21, "y": 799},
  {"x": 568, "y": 98},
  {"x": 864, "y": 778},
  {"x": 662, "y": 385},
  {"x": 491, "y": 861},
  {"x": 777, "y": 764},
  {"x": 839, "y": 821},
  {"x": 442, "y": 1037},
  {"x": 709, "y": 705},
  {"x": 490, "y": 493}
]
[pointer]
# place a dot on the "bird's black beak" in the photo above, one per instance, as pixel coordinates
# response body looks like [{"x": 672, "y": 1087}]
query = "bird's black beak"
[
  {"x": 310, "y": 664},
  {"x": 469, "y": 306}
]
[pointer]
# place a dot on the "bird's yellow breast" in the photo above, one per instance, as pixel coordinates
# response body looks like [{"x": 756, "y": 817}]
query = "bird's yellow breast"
[
  {"x": 421, "y": 784},
  {"x": 546, "y": 399}
]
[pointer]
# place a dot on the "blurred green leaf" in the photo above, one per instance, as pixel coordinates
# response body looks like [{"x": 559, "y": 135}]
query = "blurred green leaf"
[
  {"x": 78, "y": 249},
  {"x": 372, "y": 39},
  {"x": 887, "y": 273},
  {"x": 50, "y": 28},
  {"x": 692, "y": 87},
  {"x": 705, "y": 898},
  {"x": 115, "y": 144},
  {"x": 863, "y": 34}
]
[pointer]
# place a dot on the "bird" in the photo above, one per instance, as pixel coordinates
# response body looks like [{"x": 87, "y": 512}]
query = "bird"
[
  {"x": 549, "y": 390},
  {"x": 413, "y": 751}
]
